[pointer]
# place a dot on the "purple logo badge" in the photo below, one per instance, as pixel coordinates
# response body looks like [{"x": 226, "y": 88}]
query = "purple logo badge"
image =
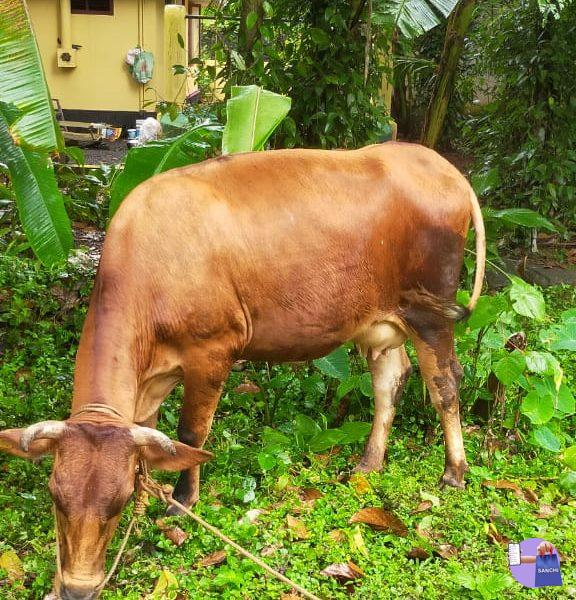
[{"x": 534, "y": 563}]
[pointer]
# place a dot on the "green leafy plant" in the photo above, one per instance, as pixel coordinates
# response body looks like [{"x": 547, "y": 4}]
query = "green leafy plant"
[
  {"x": 411, "y": 17},
  {"x": 523, "y": 139},
  {"x": 28, "y": 132},
  {"x": 487, "y": 587},
  {"x": 252, "y": 116}
]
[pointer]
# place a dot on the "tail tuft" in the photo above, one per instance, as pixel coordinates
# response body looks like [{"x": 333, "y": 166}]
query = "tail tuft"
[{"x": 443, "y": 307}]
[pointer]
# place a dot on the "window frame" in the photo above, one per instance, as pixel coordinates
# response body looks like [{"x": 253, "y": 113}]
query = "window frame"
[{"x": 88, "y": 11}]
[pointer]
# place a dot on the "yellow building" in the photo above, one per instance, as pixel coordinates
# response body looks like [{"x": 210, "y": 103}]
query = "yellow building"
[{"x": 84, "y": 43}]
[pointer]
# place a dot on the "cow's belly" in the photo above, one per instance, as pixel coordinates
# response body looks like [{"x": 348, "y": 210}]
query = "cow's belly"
[
  {"x": 293, "y": 340},
  {"x": 297, "y": 339}
]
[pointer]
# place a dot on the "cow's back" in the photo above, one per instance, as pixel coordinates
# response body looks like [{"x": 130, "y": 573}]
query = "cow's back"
[{"x": 312, "y": 243}]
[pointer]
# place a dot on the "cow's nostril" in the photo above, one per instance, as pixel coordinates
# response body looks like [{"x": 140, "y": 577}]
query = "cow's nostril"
[{"x": 73, "y": 593}]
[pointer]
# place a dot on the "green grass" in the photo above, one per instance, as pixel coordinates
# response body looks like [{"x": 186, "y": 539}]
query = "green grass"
[
  {"x": 462, "y": 519},
  {"x": 41, "y": 313}
]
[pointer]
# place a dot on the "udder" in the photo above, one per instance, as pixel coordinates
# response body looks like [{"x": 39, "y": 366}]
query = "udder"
[{"x": 378, "y": 337}]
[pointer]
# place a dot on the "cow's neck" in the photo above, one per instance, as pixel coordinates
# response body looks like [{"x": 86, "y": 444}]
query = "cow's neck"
[
  {"x": 106, "y": 371},
  {"x": 119, "y": 362}
]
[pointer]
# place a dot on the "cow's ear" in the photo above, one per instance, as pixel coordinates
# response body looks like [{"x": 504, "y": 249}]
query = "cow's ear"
[
  {"x": 10, "y": 442},
  {"x": 184, "y": 458}
]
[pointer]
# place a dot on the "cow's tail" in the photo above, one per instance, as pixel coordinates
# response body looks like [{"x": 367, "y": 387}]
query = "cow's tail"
[
  {"x": 478, "y": 223},
  {"x": 457, "y": 312},
  {"x": 449, "y": 308}
]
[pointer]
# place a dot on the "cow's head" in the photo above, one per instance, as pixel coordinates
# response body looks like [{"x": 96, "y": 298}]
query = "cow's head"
[{"x": 92, "y": 480}]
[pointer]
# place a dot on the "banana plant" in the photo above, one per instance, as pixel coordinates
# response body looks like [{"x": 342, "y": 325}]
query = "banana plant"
[
  {"x": 28, "y": 133},
  {"x": 411, "y": 18},
  {"x": 252, "y": 116}
]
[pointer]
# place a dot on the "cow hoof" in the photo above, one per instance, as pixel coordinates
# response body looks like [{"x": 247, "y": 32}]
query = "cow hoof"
[
  {"x": 452, "y": 482},
  {"x": 454, "y": 478}
]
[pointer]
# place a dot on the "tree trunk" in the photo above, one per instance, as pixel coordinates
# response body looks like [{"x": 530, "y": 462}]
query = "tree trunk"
[
  {"x": 456, "y": 29},
  {"x": 247, "y": 36}
]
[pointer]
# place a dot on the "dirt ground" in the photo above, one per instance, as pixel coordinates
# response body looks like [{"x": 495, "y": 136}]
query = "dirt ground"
[{"x": 106, "y": 153}]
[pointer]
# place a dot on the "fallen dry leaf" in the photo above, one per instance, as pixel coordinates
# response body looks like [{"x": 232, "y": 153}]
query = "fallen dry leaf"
[
  {"x": 422, "y": 507},
  {"x": 418, "y": 553},
  {"x": 11, "y": 563},
  {"x": 546, "y": 511},
  {"x": 337, "y": 535},
  {"x": 494, "y": 536},
  {"x": 310, "y": 495},
  {"x": 360, "y": 484},
  {"x": 270, "y": 550},
  {"x": 446, "y": 551},
  {"x": 166, "y": 582},
  {"x": 380, "y": 519},
  {"x": 247, "y": 387},
  {"x": 290, "y": 596},
  {"x": 211, "y": 560},
  {"x": 298, "y": 528},
  {"x": 176, "y": 535},
  {"x": 343, "y": 572},
  {"x": 501, "y": 484},
  {"x": 497, "y": 538}
]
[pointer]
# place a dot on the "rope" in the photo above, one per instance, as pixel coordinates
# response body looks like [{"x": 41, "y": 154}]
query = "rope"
[
  {"x": 118, "y": 554},
  {"x": 164, "y": 493},
  {"x": 58, "y": 558},
  {"x": 145, "y": 484}
]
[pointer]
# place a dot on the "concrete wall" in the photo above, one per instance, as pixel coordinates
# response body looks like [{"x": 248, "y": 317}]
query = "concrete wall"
[{"x": 101, "y": 80}]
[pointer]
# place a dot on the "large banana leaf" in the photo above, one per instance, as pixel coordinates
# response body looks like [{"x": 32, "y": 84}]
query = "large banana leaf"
[
  {"x": 252, "y": 116},
  {"x": 156, "y": 157},
  {"x": 40, "y": 204},
  {"x": 411, "y": 17},
  {"x": 22, "y": 80}
]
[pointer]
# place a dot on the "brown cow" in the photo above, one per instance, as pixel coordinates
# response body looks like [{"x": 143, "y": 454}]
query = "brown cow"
[{"x": 281, "y": 256}]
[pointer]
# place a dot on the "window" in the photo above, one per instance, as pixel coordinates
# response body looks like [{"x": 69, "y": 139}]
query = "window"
[
  {"x": 93, "y": 7},
  {"x": 194, "y": 31}
]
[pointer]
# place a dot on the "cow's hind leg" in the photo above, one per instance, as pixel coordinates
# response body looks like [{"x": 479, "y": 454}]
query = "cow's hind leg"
[
  {"x": 203, "y": 383},
  {"x": 389, "y": 374},
  {"x": 442, "y": 373}
]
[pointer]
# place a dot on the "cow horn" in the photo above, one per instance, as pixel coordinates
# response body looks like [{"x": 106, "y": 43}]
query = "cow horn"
[
  {"x": 43, "y": 430},
  {"x": 146, "y": 436}
]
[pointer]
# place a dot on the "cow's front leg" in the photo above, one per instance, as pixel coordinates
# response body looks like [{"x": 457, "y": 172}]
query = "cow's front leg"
[
  {"x": 442, "y": 373},
  {"x": 389, "y": 374},
  {"x": 202, "y": 390}
]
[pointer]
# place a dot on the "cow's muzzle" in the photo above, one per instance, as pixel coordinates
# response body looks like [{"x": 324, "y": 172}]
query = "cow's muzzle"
[
  {"x": 70, "y": 592},
  {"x": 79, "y": 592}
]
